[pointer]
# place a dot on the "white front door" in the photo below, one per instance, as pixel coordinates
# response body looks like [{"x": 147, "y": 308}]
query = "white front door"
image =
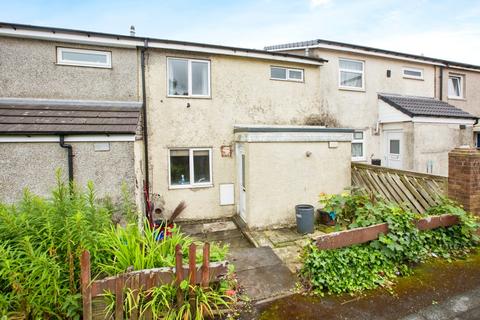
[
  {"x": 241, "y": 180},
  {"x": 394, "y": 149}
]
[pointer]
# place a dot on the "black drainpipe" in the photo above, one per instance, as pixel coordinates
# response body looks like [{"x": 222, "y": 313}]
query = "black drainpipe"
[
  {"x": 144, "y": 115},
  {"x": 441, "y": 84},
  {"x": 70, "y": 157}
]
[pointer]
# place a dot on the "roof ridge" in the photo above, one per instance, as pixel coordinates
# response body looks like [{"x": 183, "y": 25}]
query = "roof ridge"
[{"x": 374, "y": 49}]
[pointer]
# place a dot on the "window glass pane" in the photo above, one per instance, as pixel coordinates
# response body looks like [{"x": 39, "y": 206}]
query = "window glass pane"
[
  {"x": 179, "y": 167},
  {"x": 454, "y": 86},
  {"x": 412, "y": 73},
  {"x": 177, "y": 77},
  {"x": 201, "y": 166},
  {"x": 84, "y": 57},
  {"x": 199, "y": 78},
  {"x": 358, "y": 135},
  {"x": 295, "y": 74},
  {"x": 395, "y": 146},
  {"x": 351, "y": 65},
  {"x": 350, "y": 79},
  {"x": 278, "y": 73},
  {"x": 357, "y": 149}
]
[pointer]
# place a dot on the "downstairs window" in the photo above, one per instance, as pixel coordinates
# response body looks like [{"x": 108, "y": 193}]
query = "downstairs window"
[{"x": 190, "y": 167}]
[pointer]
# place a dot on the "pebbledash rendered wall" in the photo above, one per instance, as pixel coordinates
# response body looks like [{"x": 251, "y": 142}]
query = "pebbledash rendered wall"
[
  {"x": 33, "y": 166},
  {"x": 28, "y": 69},
  {"x": 241, "y": 93}
]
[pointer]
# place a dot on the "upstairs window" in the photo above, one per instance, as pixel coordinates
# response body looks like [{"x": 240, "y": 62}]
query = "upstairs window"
[
  {"x": 190, "y": 167},
  {"x": 188, "y": 77},
  {"x": 358, "y": 152},
  {"x": 351, "y": 74},
  {"x": 288, "y": 74},
  {"x": 85, "y": 58},
  {"x": 413, "y": 73},
  {"x": 455, "y": 87}
]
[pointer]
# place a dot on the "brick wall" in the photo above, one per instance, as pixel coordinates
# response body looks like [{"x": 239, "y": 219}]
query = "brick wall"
[{"x": 464, "y": 178}]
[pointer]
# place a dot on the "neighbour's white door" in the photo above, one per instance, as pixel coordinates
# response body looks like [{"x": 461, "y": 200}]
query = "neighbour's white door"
[
  {"x": 241, "y": 180},
  {"x": 394, "y": 149}
]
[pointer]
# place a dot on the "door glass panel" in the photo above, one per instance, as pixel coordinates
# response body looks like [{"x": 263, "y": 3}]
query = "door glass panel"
[
  {"x": 179, "y": 167},
  {"x": 243, "y": 171},
  {"x": 395, "y": 146},
  {"x": 201, "y": 166}
]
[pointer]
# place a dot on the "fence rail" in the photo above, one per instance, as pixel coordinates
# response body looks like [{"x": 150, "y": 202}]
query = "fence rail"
[
  {"x": 418, "y": 191},
  {"x": 144, "y": 280}
]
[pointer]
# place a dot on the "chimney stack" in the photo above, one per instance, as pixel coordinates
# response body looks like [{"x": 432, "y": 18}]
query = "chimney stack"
[{"x": 132, "y": 31}]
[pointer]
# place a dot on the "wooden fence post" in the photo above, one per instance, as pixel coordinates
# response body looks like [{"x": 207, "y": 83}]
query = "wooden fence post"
[
  {"x": 179, "y": 272},
  {"x": 119, "y": 297},
  {"x": 206, "y": 265},
  {"x": 85, "y": 280}
]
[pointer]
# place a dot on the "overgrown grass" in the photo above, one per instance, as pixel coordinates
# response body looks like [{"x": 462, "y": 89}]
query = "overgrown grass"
[
  {"x": 379, "y": 262},
  {"x": 41, "y": 241}
]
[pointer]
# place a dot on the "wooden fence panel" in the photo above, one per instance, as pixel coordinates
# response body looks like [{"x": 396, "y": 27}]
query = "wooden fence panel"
[
  {"x": 143, "y": 280},
  {"x": 418, "y": 191}
]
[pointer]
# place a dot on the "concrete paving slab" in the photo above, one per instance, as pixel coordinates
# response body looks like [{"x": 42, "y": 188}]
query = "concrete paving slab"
[
  {"x": 279, "y": 236},
  {"x": 267, "y": 282},
  {"x": 219, "y": 226},
  {"x": 251, "y": 258}
]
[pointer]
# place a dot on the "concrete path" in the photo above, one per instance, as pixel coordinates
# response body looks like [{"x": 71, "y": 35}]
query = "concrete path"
[{"x": 261, "y": 273}]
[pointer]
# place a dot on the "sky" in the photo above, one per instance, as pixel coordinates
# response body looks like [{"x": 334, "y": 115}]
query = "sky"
[{"x": 437, "y": 28}]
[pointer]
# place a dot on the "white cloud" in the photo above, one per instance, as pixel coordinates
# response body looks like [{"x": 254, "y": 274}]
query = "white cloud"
[{"x": 318, "y": 3}]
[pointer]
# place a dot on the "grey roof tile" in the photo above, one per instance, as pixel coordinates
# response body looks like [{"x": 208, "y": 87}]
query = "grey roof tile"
[
  {"x": 424, "y": 106},
  {"x": 45, "y": 119}
]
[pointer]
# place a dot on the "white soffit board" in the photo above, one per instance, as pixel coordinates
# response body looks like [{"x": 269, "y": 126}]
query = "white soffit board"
[
  {"x": 227, "y": 194},
  {"x": 388, "y": 114},
  {"x": 68, "y": 138},
  {"x": 443, "y": 120}
]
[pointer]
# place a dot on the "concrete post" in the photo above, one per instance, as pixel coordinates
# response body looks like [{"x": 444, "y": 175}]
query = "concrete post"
[{"x": 464, "y": 178}]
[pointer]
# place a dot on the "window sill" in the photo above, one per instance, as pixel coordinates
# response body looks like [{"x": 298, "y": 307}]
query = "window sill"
[
  {"x": 457, "y": 98},
  {"x": 352, "y": 89},
  {"x": 359, "y": 159},
  {"x": 81, "y": 65},
  {"x": 413, "y": 78},
  {"x": 288, "y": 80},
  {"x": 190, "y": 186},
  {"x": 190, "y": 97}
]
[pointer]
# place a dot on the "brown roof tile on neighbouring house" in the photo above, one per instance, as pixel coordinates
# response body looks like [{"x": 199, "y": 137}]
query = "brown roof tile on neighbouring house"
[
  {"x": 414, "y": 106},
  {"x": 67, "y": 119}
]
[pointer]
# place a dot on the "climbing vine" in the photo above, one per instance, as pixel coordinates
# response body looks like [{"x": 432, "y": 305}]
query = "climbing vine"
[{"x": 379, "y": 262}]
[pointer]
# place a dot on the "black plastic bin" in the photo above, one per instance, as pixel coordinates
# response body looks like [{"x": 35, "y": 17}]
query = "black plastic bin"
[{"x": 305, "y": 218}]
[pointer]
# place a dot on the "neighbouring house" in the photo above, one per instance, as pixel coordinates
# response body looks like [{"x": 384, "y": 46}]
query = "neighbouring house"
[
  {"x": 223, "y": 128},
  {"x": 407, "y": 110},
  {"x": 69, "y": 104}
]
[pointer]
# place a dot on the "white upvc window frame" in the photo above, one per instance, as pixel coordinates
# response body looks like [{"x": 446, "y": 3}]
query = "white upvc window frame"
[
  {"x": 189, "y": 63},
  {"x": 461, "y": 83},
  {"x": 287, "y": 74},
  {"x": 340, "y": 86},
  {"x": 192, "y": 184},
  {"x": 61, "y": 61},
  {"x": 406, "y": 76},
  {"x": 362, "y": 141}
]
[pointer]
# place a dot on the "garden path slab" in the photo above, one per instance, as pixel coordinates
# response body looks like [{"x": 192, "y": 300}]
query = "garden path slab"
[{"x": 261, "y": 273}]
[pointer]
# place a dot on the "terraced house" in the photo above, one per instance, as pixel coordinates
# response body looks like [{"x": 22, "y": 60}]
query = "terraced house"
[
  {"x": 229, "y": 130},
  {"x": 407, "y": 110}
]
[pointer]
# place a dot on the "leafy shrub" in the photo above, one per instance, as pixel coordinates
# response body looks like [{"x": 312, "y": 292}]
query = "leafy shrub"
[
  {"x": 379, "y": 262},
  {"x": 41, "y": 241}
]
